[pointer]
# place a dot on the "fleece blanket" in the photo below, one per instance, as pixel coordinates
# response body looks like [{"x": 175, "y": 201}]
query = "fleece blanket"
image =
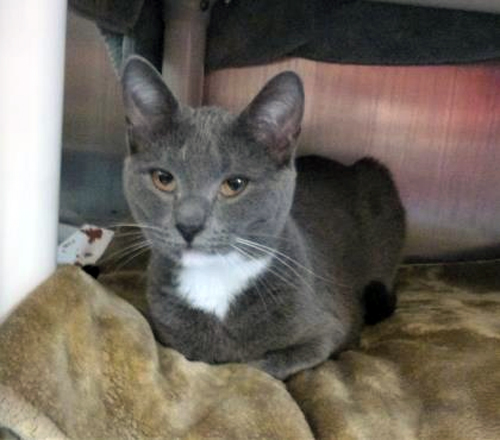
[
  {"x": 79, "y": 361},
  {"x": 249, "y": 32},
  {"x": 245, "y": 33}
]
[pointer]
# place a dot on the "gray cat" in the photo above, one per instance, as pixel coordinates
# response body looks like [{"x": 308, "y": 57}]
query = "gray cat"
[{"x": 255, "y": 257}]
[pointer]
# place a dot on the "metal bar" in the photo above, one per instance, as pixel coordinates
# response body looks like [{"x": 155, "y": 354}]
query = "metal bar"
[{"x": 186, "y": 22}]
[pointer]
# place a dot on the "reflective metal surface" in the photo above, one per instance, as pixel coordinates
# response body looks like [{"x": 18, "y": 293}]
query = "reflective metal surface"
[
  {"x": 184, "y": 48},
  {"x": 93, "y": 113},
  {"x": 437, "y": 128}
]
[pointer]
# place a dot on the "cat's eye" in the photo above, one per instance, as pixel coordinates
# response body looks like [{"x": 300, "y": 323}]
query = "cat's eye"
[
  {"x": 163, "y": 180},
  {"x": 233, "y": 186}
]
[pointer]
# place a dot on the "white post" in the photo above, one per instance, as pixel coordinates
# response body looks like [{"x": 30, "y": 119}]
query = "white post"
[{"x": 32, "y": 39}]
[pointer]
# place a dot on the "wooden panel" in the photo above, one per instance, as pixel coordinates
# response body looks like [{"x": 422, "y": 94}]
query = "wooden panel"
[{"x": 437, "y": 128}]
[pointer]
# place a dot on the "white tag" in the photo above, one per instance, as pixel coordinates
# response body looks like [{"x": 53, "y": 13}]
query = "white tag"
[{"x": 85, "y": 246}]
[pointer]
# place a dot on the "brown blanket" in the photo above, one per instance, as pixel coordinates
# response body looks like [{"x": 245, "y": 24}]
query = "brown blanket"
[{"x": 79, "y": 362}]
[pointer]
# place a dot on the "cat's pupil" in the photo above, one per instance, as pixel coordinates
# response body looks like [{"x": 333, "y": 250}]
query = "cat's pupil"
[
  {"x": 236, "y": 183},
  {"x": 165, "y": 178},
  {"x": 233, "y": 186}
]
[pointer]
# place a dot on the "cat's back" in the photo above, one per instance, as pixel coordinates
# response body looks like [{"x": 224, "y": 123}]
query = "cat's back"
[
  {"x": 351, "y": 214},
  {"x": 327, "y": 189}
]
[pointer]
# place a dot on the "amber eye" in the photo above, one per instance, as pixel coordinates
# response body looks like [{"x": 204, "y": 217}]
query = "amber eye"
[
  {"x": 233, "y": 186},
  {"x": 163, "y": 180}
]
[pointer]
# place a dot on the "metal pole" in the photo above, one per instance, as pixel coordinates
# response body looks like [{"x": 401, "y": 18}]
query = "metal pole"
[{"x": 186, "y": 23}]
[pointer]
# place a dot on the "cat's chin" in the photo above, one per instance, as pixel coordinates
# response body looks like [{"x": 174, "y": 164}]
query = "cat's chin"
[{"x": 197, "y": 258}]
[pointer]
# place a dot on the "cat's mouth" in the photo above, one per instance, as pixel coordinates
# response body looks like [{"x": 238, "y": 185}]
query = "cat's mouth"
[{"x": 192, "y": 253}]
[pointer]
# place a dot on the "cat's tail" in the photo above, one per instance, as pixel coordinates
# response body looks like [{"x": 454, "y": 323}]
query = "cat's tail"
[{"x": 379, "y": 302}]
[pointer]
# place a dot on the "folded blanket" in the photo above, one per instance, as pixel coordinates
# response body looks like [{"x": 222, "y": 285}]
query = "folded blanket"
[
  {"x": 244, "y": 33},
  {"x": 79, "y": 362}
]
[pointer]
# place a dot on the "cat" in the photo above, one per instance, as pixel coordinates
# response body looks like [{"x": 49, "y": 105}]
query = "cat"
[{"x": 256, "y": 256}]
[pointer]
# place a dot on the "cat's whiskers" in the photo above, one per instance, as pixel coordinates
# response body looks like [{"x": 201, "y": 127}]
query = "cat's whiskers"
[
  {"x": 267, "y": 290},
  {"x": 238, "y": 268},
  {"x": 272, "y": 236},
  {"x": 280, "y": 258},
  {"x": 275, "y": 252},
  {"x": 120, "y": 254},
  {"x": 138, "y": 233},
  {"x": 283, "y": 276},
  {"x": 313, "y": 252},
  {"x": 158, "y": 232},
  {"x": 135, "y": 254},
  {"x": 283, "y": 256},
  {"x": 134, "y": 225}
]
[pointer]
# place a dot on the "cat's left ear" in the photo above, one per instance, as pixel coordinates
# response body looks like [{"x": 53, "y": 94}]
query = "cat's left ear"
[{"x": 274, "y": 116}]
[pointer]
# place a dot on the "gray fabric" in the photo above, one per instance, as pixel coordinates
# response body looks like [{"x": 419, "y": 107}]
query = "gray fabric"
[
  {"x": 118, "y": 16},
  {"x": 253, "y": 32},
  {"x": 128, "y": 27},
  {"x": 243, "y": 33}
]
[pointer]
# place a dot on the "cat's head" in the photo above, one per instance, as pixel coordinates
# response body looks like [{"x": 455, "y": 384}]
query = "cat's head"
[{"x": 200, "y": 180}]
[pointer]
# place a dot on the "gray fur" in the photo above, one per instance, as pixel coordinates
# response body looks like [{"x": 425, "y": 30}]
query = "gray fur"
[{"x": 340, "y": 229}]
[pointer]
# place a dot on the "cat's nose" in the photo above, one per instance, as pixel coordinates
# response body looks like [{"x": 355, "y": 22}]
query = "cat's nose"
[
  {"x": 190, "y": 218},
  {"x": 188, "y": 232}
]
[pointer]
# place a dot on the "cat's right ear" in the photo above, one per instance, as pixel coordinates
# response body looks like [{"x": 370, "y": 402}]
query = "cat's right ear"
[{"x": 150, "y": 107}]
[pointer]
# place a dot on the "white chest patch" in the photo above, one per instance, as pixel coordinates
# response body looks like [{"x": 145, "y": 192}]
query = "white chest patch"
[{"x": 211, "y": 282}]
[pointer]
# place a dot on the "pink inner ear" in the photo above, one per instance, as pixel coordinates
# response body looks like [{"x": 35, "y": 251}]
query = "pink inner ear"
[
  {"x": 278, "y": 140},
  {"x": 278, "y": 121},
  {"x": 275, "y": 114},
  {"x": 276, "y": 126}
]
